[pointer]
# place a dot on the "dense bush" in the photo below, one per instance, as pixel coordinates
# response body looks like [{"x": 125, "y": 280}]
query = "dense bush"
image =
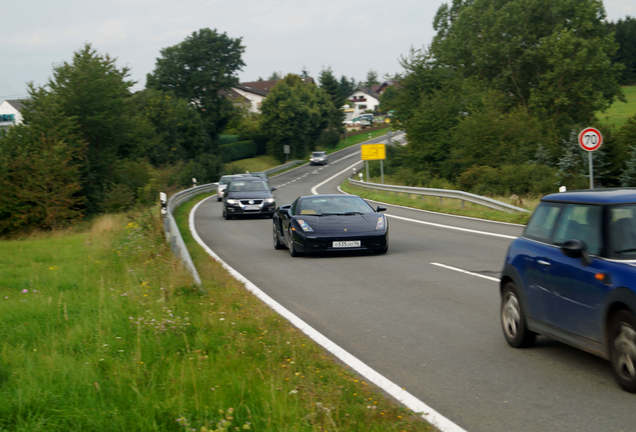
[
  {"x": 238, "y": 150},
  {"x": 524, "y": 179},
  {"x": 205, "y": 169},
  {"x": 328, "y": 139}
]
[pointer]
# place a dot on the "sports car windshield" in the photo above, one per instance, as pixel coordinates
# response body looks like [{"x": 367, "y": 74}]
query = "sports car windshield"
[
  {"x": 248, "y": 186},
  {"x": 339, "y": 205}
]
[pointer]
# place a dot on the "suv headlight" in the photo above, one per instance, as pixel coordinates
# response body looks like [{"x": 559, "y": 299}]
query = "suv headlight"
[
  {"x": 232, "y": 201},
  {"x": 380, "y": 223},
  {"x": 269, "y": 200}
]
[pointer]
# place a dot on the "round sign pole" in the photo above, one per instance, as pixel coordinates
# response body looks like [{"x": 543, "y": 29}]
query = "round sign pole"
[{"x": 590, "y": 139}]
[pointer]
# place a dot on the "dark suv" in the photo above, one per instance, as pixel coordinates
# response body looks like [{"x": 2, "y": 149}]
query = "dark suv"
[
  {"x": 572, "y": 276},
  {"x": 248, "y": 196}
]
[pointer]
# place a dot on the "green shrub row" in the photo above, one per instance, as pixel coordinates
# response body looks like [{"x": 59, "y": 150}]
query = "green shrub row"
[{"x": 239, "y": 150}]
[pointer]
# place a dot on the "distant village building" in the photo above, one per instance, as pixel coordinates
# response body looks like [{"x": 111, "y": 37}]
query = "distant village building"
[
  {"x": 363, "y": 101},
  {"x": 10, "y": 112},
  {"x": 251, "y": 94}
]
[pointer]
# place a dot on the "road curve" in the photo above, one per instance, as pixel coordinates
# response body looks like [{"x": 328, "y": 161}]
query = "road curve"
[{"x": 425, "y": 326}]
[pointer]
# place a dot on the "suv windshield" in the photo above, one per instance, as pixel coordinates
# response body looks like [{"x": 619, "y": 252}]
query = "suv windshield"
[
  {"x": 318, "y": 154},
  {"x": 248, "y": 186},
  {"x": 622, "y": 231}
]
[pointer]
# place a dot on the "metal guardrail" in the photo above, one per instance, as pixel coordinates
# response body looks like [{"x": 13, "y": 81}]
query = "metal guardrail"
[
  {"x": 442, "y": 193},
  {"x": 173, "y": 236}
]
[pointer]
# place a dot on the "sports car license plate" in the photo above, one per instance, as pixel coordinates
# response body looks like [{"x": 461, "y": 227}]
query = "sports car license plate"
[
  {"x": 252, "y": 207},
  {"x": 346, "y": 244}
]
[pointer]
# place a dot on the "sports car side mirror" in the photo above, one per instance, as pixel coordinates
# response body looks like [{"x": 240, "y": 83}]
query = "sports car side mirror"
[{"x": 380, "y": 209}]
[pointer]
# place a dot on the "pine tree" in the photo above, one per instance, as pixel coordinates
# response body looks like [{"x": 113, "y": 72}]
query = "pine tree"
[{"x": 628, "y": 177}]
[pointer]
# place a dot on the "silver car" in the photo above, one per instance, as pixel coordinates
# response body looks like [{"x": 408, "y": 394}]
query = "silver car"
[
  {"x": 318, "y": 158},
  {"x": 223, "y": 182}
]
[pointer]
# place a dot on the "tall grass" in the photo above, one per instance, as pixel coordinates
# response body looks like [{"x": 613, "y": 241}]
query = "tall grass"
[
  {"x": 618, "y": 114},
  {"x": 104, "y": 331}
]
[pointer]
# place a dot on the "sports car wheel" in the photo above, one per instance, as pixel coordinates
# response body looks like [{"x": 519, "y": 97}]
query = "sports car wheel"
[
  {"x": 622, "y": 346},
  {"x": 513, "y": 319},
  {"x": 277, "y": 243},
  {"x": 292, "y": 249}
]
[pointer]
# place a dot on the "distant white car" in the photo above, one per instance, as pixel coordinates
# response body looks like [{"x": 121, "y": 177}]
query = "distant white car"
[
  {"x": 318, "y": 158},
  {"x": 223, "y": 182}
]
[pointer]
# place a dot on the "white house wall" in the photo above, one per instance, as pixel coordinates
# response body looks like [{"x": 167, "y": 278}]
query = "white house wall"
[
  {"x": 359, "y": 107},
  {"x": 255, "y": 100},
  {"x": 7, "y": 108}
]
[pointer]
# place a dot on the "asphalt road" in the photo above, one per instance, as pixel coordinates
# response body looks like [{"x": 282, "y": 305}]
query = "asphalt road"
[{"x": 430, "y": 329}]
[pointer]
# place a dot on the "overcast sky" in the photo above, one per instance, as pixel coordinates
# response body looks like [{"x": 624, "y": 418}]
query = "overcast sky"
[{"x": 350, "y": 36}]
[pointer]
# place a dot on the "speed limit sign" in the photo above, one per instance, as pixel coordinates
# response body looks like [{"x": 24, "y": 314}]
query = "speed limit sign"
[{"x": 590, "y": 139}]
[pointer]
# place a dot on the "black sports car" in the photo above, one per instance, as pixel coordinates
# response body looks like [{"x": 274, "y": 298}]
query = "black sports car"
[{"x": 329, "y": 223}]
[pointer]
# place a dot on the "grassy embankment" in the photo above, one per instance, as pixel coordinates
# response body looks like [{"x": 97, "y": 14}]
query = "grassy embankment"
[
  {"x": 445, "y": 205},
  {"x": 264, "y": 162},
  {"x": 618, "y": 114},
  {"x": 102, "y": 330}
]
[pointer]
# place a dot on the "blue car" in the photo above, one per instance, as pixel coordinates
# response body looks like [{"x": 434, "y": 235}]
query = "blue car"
[{"x": 571, "y": 276}]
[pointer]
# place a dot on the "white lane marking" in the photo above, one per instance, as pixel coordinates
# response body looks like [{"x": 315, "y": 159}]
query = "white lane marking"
[
  {"x": 314, "y": 189},
  {"x": 486, "y": 233},
  {"x": 438, "y": 213},
  {"x": 345, "y": 157},
  {"x": 466, "y": 272},
  {"x": 404, "y": 397}
]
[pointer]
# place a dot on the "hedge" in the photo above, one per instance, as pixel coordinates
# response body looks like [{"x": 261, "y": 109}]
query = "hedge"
[{"x": 239, "y": 150}]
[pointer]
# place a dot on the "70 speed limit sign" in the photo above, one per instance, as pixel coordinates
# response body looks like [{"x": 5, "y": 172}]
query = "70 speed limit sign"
[{"x": 590, "y": 139}]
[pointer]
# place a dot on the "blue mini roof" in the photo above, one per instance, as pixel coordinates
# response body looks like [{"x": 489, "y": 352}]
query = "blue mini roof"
[{"x": 595, "y": 196}]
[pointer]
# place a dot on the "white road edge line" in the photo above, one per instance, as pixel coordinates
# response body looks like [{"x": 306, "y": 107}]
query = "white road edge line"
[
  {"x": 486, "y": 233},
  {"x": 401, "y": 395},
  {"x": 494, "y": 279},
  {"x": 314, "y": 190}
]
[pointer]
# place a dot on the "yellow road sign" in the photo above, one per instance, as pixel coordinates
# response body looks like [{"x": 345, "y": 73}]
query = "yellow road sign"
[{"x": 373, "y": 151}]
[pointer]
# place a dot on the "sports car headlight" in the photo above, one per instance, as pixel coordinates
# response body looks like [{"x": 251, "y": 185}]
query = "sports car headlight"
[
  {"x": 304, "y": 225},
  {"x": 269, "y": 200},
  {"x": 380, "y": 224},
  {"x": 232, "y": 201}
]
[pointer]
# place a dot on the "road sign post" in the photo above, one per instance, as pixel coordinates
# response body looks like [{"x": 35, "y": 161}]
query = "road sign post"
[
  {"x": 373, "y": 152},
  {"x": 590, "y": 140}
]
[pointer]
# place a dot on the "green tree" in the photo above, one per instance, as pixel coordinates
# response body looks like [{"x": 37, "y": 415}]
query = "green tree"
[
  {"x": 372, "y": 79},
  {"x": 551, "y": 56},
  {"x": 625, "y": 34},
  {"x": 626, "y": 139},
  {"x": 95, "y": 93},
  {"x": 572, "y": 165},
  {"x": 346, "y": 87},
  {"x": 295, "y": 113},
  {"x": 198, "y": 69},
  {"x": 329, "y": 84},
  {"x": 40, "y": 166},
  {"x": 173, "y": 128}
]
